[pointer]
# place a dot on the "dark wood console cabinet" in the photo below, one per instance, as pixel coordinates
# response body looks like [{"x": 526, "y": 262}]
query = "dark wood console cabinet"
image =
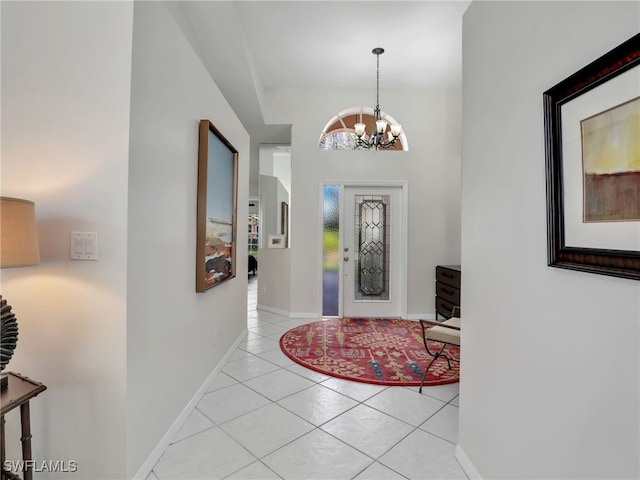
[{"x": 447, "y": 290}]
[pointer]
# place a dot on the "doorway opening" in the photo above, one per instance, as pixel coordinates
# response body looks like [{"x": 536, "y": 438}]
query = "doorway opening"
[
  {"x": 253, "y": 238},
  {"x": 363, "y": 250}
]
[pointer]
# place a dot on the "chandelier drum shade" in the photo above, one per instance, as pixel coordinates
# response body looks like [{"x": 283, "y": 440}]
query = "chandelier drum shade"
[
  {"x": 18, "y": 248},
  {"x": 381, "y": 134}
]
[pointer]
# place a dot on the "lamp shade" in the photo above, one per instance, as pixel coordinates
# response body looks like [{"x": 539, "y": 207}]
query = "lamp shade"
[{"x": 18, "y": 234}]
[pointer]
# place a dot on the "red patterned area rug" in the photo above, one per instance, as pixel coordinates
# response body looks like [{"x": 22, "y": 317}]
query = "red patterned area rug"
[{"x": 382, "y": 351}]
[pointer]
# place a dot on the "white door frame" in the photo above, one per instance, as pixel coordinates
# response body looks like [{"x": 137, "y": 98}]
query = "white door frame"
[{"x": 404, "y": 186}]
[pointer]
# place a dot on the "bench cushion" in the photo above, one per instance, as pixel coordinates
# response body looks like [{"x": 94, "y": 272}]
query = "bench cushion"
[{"x": 443, "y": 334}]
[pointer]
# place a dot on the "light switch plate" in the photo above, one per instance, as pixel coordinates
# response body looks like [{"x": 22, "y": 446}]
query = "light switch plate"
[{"x": 83, "y": 246}]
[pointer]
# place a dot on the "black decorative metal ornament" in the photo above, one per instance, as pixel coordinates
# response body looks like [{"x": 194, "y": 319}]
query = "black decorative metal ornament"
[{"x": 8, "y": 333}]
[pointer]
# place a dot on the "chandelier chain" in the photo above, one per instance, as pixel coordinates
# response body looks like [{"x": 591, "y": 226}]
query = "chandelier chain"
[{"x": 378, "y": 86}]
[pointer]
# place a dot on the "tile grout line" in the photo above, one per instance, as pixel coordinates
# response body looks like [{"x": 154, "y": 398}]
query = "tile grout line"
[{"x": 253, "y": 318}]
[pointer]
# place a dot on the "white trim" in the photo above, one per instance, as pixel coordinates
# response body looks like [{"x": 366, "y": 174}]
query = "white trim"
[
  {"x": 466, "y": 464},
  {"x": 155, "y": 455},
  {"x": 421, "y": 316},
  {"x": 341, "y": 246},
  {"x": 405, "y": 249},
  {"x": 319, "y": 260},
  {"x": 277, "y": 311},
  {"x": 285, "y": 313},
  {"x": 305, "y": 315}
]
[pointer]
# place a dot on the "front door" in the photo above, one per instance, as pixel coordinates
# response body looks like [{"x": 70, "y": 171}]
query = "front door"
[{"x": 373, "y": 252}]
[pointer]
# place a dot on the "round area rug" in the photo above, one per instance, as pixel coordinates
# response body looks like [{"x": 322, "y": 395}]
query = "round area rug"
[{"x": 382, "y": 351}]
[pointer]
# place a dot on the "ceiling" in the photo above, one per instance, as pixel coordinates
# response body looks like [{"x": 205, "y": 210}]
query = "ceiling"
[
  {"x": 252, "y": 46},
  {"x": 329, "y": 43}
]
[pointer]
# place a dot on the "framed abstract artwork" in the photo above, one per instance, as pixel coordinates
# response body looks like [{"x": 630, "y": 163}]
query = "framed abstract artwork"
[
  {"x": 276, "y": 241},
  {"x": 217, "y": 208},
  {"x": 592, "y": 144}
]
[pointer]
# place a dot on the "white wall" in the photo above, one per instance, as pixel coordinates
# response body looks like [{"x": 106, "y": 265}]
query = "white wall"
[
  {"x": 269, "y": 211},
  {"x": 273, "y": 263},
  {"x": 66, "y": 69},
  {"x": 282, "y": 168},
  {"x": 431, "y": 120},
  {"x": 274, "y": 284},
  {"x": 550, "y": 357},
  {"x": 171, "y": 329}
]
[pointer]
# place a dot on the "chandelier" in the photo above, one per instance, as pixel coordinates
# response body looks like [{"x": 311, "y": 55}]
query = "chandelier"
[{"x": 378, "y": 137}]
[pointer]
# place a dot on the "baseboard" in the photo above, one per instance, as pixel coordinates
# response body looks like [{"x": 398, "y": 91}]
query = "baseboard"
[
  {"x": 314, "y": 316},
  {"x": 466, "y": 464},
  {"x": 421, "y": 316},
  {"x": 311, "y": 315},
  {"x": 277, "y": 311},
  {"x": 150, "y": 462},
  {"x": 288, "y": 314}
]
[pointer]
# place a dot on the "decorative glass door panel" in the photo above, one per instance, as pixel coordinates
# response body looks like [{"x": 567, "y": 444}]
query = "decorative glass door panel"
[
  {"x": 371, "y": 255},
  {"x": 331, "y": 251}
]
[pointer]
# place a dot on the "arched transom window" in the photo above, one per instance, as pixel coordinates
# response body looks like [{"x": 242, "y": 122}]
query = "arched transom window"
[{"x": 339, "y": 133}]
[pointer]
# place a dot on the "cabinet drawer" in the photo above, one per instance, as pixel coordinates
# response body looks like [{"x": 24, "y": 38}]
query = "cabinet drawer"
[
  {"x": 448, "y": 293},
  {"x": 448, "y": 276},
  {"x": 445, "y": 308}
]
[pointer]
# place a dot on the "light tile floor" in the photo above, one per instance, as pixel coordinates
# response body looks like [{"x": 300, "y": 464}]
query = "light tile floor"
[{"x": 265, "y": 417}]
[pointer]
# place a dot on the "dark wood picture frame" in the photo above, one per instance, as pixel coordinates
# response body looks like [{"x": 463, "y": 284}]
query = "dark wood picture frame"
[
  {"x": 615, "y": 262},
  {"x": 284, "y": 222},
  {"x": 217, "y": 208}
]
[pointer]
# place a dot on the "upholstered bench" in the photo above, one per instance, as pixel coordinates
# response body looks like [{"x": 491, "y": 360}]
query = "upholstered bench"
[{"x": 447, "y": 333}]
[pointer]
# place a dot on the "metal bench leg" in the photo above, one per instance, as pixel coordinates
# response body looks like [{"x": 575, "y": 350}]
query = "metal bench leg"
[{"x": 435, "y": 357}]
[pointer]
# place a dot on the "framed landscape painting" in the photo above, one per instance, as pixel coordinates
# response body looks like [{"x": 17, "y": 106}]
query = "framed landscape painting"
[
  {"x": 217, "y": 208},
  {"x": 592, "y": 140}
]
